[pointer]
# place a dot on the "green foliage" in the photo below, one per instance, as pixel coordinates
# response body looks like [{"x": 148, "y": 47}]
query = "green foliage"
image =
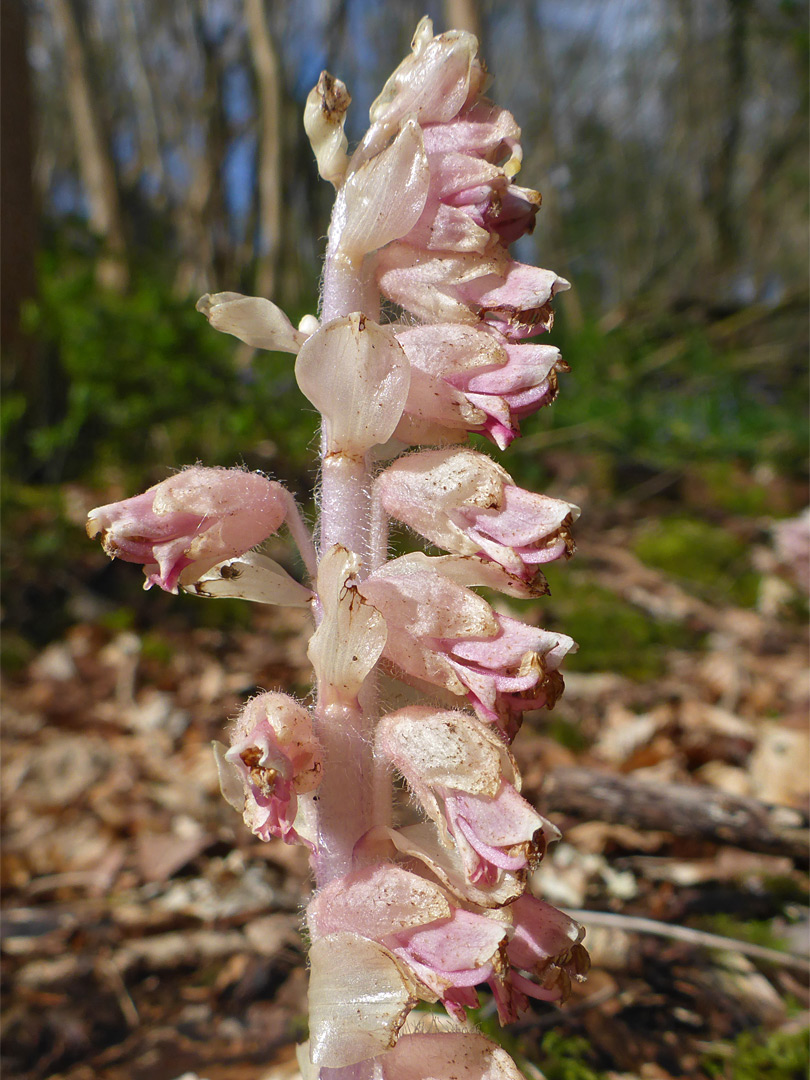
[
  {"x": 567, "y": 1057},
  {"x": 756, "y": 931},
  {"x": 612, "y": 634},
  {"x": 700, "y": 554},
  {"x": 141, "y": 381},
  {"x": 666, "y": 394},
  {"x": 778, "y": 1056}
]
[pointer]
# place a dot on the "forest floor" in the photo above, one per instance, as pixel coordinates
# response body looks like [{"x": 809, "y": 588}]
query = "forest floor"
[{"x": 147, "y": 934}]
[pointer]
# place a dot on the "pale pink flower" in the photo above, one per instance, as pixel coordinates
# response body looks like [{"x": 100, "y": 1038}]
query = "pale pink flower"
[
  {"x": 512, "y": 673},
  {"x": 274, "y": 757},
  {"x": 546, "y": 945},
  {"x": 467, "y": 379},
  {"x": 198, "y": 518},
  {"x": 467, "y": 782},
  {"x": 457, "y": 641},
  {"x": 464, "y": 502},
  {"x": 466, "y": 287}
]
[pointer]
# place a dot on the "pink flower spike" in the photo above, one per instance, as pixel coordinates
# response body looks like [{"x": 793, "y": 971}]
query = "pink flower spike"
[
  {"x": 276, "y": 757},
  {"x": 200, "y": 516}
]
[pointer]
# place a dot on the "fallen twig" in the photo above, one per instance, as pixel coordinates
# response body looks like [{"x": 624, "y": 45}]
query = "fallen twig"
[
  {"x": 639, "y": 925},
  {"x": 689, "y": 810}
]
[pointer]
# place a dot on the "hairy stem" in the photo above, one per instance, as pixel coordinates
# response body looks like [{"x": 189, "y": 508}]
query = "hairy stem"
[{"x": 355, "y": 792}]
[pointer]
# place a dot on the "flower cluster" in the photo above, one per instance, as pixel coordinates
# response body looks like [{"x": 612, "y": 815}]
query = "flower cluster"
[{"x": 425, "y": 211}]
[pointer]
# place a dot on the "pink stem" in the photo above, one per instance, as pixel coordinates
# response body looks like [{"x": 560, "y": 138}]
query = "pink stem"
[{"x": 355, "y": 792}]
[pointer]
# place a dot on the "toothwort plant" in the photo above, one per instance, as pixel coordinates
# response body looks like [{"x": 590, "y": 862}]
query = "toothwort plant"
[{"x": 415, "y": 672}]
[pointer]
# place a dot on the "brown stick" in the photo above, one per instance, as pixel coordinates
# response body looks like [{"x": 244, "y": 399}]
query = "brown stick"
[
  {"x": 637, "y": 924},
  {"x": 683, "y": 809}
]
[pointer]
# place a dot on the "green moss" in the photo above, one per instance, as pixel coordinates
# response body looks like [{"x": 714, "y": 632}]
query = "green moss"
[
  {"x": 779, "y": 1056},
  {"x": 567, "y": 1057},
  {"x": 756, "y": 931},
  {"x": 612, "y": 634},
  {"x": 699, "y": 554},
  {"x": 566, "y": 733},
  {"x": 726, "y": 486},
  {"x": 155, "y": 647}
]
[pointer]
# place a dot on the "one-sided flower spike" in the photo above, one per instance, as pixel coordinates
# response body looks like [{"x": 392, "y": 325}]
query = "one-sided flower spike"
[
  {"x": 465, "y": 503},
  {"x": 273, "y": 758},
  {"x": 466, "y": 781},
  {"x": 195, "y": 519}
]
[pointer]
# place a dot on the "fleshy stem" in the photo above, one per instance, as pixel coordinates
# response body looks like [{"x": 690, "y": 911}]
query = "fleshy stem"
[{"x": 355, "y": 792}]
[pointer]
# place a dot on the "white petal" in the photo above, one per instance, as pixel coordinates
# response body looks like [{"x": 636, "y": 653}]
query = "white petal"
[
  {"x": 250, "y": 577},
  {"x": 230, "y": 779},
  {"x": 254, "y": 320},
  {"x": 356, "y": 375},
  {"x": 385, "y": 197},
  {"x": 359, "y": 996}
]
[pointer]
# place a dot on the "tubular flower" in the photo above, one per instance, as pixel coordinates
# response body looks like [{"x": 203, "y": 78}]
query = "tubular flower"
[
  {"x": 458, "y": 642},
  {"x": 467, "y": 782},
  {"x": 510, "y": 297},
  {"x": 273, "y": 758},
  {"x": 468, "y": 379},
  {"x": 462, "y": 501},
  {"x": 546, "y": 945},
  {"x": 512, "y": 673},
  {"x": 448, "y": 949},
  {"x": 198, "y": 518}
]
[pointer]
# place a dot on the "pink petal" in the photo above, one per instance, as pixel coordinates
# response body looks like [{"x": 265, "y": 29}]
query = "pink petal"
[
  {"x": 484, "y": 130},
  {"x": 459, "y": 946}
]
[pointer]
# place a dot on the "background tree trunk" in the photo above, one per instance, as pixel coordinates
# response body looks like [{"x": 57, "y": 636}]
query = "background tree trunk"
[
  {"x": 95, "y": 164},
  {"x": 268, "y": 179}
]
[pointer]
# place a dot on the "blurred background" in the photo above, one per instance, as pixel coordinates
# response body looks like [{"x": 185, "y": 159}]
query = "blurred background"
[{"x": 154, "y": 151}]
